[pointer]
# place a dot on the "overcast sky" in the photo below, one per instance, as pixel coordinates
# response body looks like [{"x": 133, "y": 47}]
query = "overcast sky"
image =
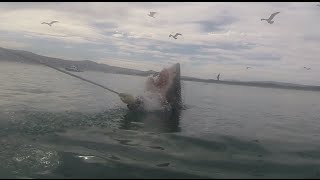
[{"x": 218, "y": 37}]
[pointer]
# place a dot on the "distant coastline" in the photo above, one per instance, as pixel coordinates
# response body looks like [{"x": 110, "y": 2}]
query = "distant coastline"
[
  {"x": 10, "y": 55},
  {"x": 257, "y": 84}
]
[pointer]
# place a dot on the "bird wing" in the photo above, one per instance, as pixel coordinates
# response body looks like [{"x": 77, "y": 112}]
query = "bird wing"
[
  {"x": 177, "y": 34},
  {"x": 44, "y": 23},
  {"x": 152, "y": 13},
  {"x": 273, "y": 15},
  {"x": 54, "y": 22}
]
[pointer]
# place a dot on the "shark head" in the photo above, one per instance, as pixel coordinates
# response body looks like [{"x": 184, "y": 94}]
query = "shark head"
[
  {"x": 169, "y": 85},
  {"x": 162, "y": 90}
]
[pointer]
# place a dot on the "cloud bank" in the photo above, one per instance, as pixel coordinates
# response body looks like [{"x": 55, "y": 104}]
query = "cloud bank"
[{"x": 218, "y": 37}]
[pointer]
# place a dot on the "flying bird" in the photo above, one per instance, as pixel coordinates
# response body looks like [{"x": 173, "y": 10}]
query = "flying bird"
[
  {"x": 50, "y": 23},
  {"x": 269, "y": 20},
  {"x": 151, "y": 14},
  {"x": 175, "y": 36},
  {"x": 248, "y": 67},
  {"x": 307, "y": 68}
]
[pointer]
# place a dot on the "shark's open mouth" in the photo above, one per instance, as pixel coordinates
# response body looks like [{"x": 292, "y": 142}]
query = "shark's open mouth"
[
  {"x": 168, "y": 84},
  {"x": 162, "y": 90}
]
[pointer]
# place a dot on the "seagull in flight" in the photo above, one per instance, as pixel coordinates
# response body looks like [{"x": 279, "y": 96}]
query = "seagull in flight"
[
  {"x": 248, "y": 67},
  {"x": 175, "y": 36},
  {"x": 307, "y": 68},
  {"x": 151, "y": 14},
  {"x": 269, "y": 20},
  {"x": 50, "y": 23}
]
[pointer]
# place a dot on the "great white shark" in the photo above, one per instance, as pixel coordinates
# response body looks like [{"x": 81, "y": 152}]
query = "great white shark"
[{"x": 161, "y": 89}]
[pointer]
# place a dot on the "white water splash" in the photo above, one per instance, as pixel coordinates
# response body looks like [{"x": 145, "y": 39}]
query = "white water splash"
[{"x": 153, "y": 101}]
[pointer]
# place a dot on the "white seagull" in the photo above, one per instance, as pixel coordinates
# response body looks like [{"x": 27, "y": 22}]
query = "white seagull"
[
  {"x": 50, "y": 23},
  {"x": 248, "y": 67},
  {"x": 269, "y": 20},
  {"x": 175, "y": 36},
  {"x": 307, "y": 68},
  {"x": 151, "y": 14}
]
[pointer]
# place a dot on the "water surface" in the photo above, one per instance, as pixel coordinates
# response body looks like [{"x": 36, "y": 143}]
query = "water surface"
[{"x": 56, "y": 126}]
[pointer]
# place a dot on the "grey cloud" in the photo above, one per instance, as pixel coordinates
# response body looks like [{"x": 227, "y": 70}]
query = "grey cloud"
[
  {"x": 264, "y": 57},
  {"x": 311, "y": 37},
  {"x": 290, "y": 42},
  {"x": 217, "y": 24}
]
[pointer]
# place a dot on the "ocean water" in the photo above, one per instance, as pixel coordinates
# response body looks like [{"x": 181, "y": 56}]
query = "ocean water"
[{"x": 56, "y": 126}]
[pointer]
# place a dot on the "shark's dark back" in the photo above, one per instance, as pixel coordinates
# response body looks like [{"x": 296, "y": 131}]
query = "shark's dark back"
[{"x": 174, "y": 93}]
